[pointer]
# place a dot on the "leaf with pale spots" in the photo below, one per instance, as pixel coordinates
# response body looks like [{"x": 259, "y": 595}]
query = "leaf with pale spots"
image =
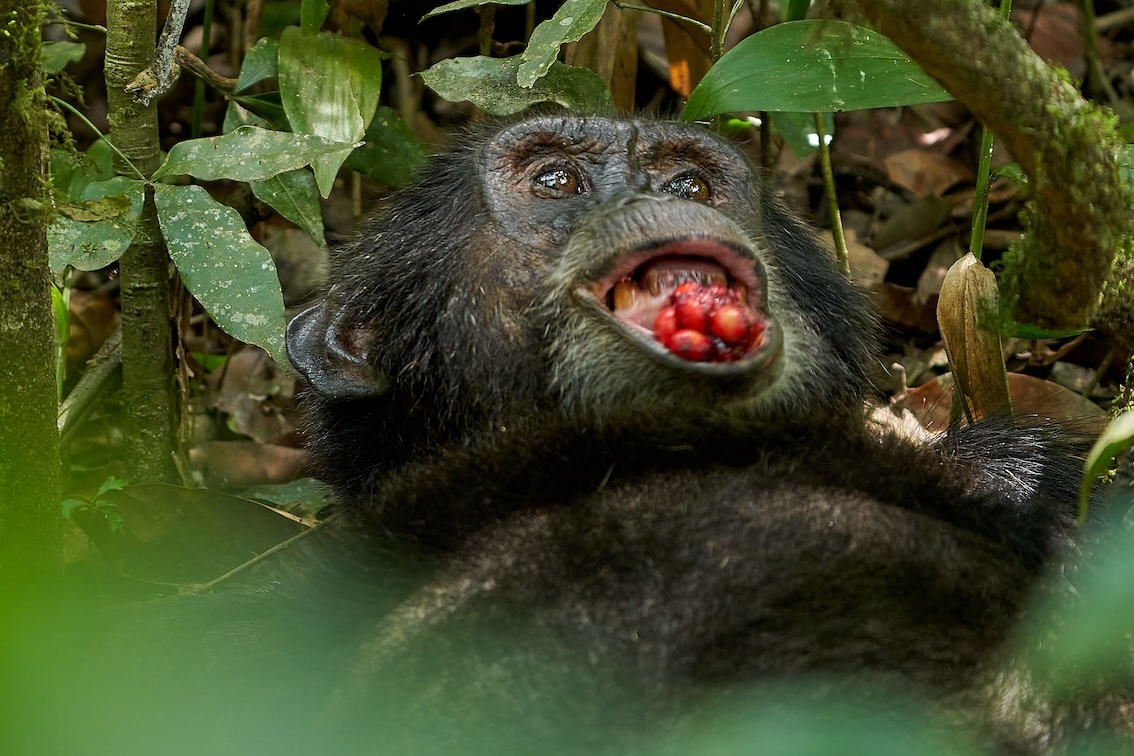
[
  {"x": 97, "y": 231},
  {"x": 295, "y": 196},
  {"x": 249, "y": 154},
  {"x": 571, "y": 22},
  {"x": 232, "y": 276}
]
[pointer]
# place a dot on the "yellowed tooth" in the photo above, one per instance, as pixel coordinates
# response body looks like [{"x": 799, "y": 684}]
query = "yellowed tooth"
[
  {"x": 652, "y": 282},
  {"x": 719, "y": 278},
  {"x": 625, "y": 294},
  {"x": 741, "y": 292}
]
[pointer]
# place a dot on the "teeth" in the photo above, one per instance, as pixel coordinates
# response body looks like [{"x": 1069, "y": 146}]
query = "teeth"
[
  {"x": 741, "y": 292},
  {"x": 718, "y": 278},
  {"x": 625, "y": 294},
  {"x": 652, "y": 282}
]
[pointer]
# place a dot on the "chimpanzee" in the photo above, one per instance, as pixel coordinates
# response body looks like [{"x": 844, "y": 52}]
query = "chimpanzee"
[{"x": 593, "y": 402}]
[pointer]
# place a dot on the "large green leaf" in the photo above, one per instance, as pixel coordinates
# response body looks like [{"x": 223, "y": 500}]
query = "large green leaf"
[
  {"x": 573, "y": 19},
  {"x": 232, "y": 276},
  {"x": 56, "y": 55},
  {"x": 817, "y": 66},
  {"x": 248, "y": 154},
  {"x": 96, "y": 231},
  {"x": 392, "y": 154},
  {"x": 490, "y": 84},
  {"x": 329, "y": 86}
]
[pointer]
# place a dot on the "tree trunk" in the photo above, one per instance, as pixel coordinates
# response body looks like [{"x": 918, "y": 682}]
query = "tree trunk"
[
  {"x": 1068, "y": 147},
  {"x": 29, "y": 441},
  {"x": 148, "y": 390}
]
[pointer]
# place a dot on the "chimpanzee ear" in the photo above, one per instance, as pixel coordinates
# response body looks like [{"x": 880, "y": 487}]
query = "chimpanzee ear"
[{"x": 332, "y": 355}]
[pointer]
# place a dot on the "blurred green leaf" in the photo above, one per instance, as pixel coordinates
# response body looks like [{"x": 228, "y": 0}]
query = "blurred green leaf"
[
  {"x": 56, "y": 55},
  {"x": 819, "y": 66},
  {"x": 1114, "y": 440}
]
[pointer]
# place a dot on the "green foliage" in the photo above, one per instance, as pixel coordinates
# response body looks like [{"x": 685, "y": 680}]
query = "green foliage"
[
  {"x": 99, "y": 505},
  {"x": 231, "y": 275},
  {"x": 56, "y": 55},
  {"x": 490, "y": 84},
  {"x": 329, "y": 86},
  {"x": 573, "y": 19},
  {"x": 97, "y": 230},
  {"x": 814, "y": 66},
  {"x": 1116, "y": 439}
]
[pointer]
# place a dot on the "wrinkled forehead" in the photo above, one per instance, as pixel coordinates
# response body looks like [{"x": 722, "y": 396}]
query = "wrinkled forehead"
[{"x": 636, "y": 142}]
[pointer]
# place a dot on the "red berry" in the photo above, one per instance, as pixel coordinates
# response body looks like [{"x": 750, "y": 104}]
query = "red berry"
[
  {"x": 691, "y": 345},
  {"x": 733, "y": 324},
  {"x": 693, "y": 313},
  {"x": 685, "y": 289},
  {"x": 666, "y": 324}
]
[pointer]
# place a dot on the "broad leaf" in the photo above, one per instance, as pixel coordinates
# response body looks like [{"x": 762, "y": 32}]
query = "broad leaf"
[
  {"x": 295, "y": 196},
  {"x": 260, "y": 64},
  {"x": 490, "y": 84},
  {"x": 232, "y": 276},
  {"x": 392, "y": 154},
  {"x": 329, "y": 86},
  {"x": 817, "y": 66},
  {"x": 98, "y": 230},
  {"x": 573, "y": 19},
  {"x": 56, "y": 55},
  {"x": 248, "y": 154}
]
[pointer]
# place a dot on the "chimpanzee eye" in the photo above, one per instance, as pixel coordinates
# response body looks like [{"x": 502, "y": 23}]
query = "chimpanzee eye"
[
  {"x": 689, "y": 187},
  {"x": 558, "y": 182}
]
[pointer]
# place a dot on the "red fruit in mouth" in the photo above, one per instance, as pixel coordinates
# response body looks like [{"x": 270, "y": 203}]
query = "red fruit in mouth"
[
  {"x": 708, "y": 323},
  {"x": 691, "y": 345},
  {"x": 733, "y": 325}
]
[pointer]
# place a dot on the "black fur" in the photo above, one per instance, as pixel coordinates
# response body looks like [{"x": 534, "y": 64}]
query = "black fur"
[{"x": 554, "y": 534}]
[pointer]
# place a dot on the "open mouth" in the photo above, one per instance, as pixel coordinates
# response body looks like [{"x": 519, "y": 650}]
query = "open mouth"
[{"x": 697, "y": 300}]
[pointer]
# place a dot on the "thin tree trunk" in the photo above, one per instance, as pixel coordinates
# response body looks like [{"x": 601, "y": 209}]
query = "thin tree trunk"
[
  {"x": 29, "y": 441},
  {"x": 148, "y": 388}
]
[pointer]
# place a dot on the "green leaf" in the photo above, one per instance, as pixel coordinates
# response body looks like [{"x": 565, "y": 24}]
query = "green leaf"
[
  {"x": 97, "y": 231},
  {"x": 462, "y": 4},
  {"x": 819, "y": 66},
  {"x": 797, "y": 10},
  {"x": 329, "y": 86},
  {"x": 231, "y": 275},
  {"x": 56, "y": 55},
  {"x": 248, "y": 154},
  {"x": 295, "y": 196},
  {"x": 312, "y": 13},
  {"x": 260, "y": 64},
  {"x": 798, "y": 130},
  {"x": 1086, "y": 644},
  {"x": 573, "y": 20},
  {"x": 1114, "y": 440},
  {"x": 490, "y": 84},
  {"x": 267, "y": 106},
  {"x": 110, "y": 484},
  {"x": 392, "y": 154},
  {"x": 72, "y": 172}
]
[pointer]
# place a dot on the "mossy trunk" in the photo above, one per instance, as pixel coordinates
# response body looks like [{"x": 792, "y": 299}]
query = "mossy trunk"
[
  {"x": 29, "y": 441},
  {"x": 1069, "y": 148},
  {"x": 148, "y": 389}
]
